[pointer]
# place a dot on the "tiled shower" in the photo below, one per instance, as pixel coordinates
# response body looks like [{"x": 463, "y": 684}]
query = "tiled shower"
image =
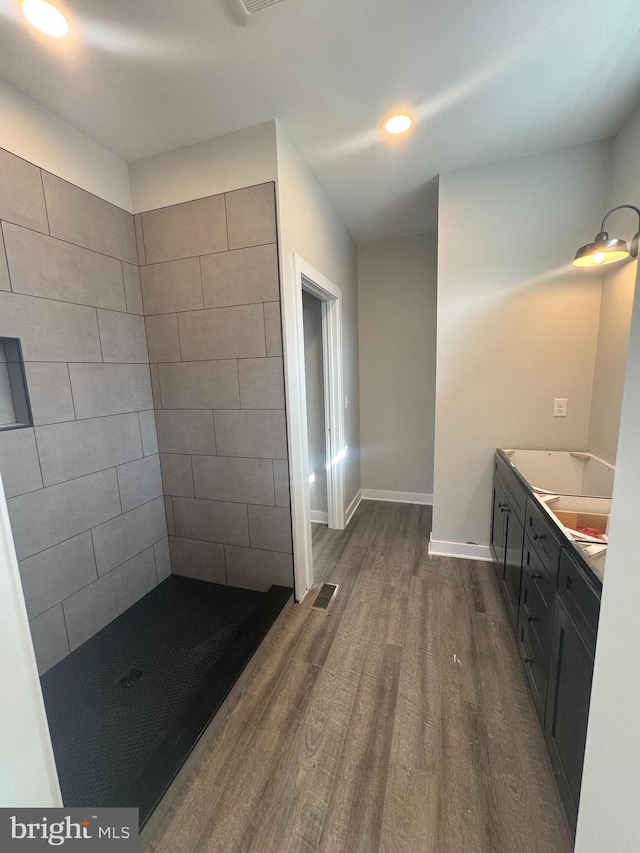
[{"x": 156, "y": 444}]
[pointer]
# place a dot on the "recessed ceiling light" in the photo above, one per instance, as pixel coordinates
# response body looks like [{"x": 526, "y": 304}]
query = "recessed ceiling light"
[
  {"x": 397, "y": 123},
  {"x": 45, "y": 18}
]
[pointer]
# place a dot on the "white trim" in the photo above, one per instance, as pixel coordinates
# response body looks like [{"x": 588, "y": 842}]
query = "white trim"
[
  {"x": 307, "y": 278},
  {"x": 26, "y": 752},
  {"x": 353, "y": 506},
  {"x": 397, "y": 497},
  {"x": 319, "y": 517},
  {"x": 462, "y": 550}
]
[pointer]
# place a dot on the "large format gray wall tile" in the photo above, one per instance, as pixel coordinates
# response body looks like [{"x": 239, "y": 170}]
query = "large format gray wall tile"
[
  {"x": 185, "y": 431},
  {"x": 261, "y": 383},
  {"x": 129, "y": 534},
  {"x": 132, "y": 288},
  {"x": 273, "y": 328},
  {"x": 19, "y": 462},
  {"x": 177, "y": 476},
  {"x": 281, "y": 478},
  {"x": 196, "y": 559},
  {"x": 21, "y": 197},
  {"x": 253, "y": 569},
  {"x": 185, "y": 230},
  {"x": 222, "y": 333},
  {"x": 101, "y": 602},
  {"x": 122, "y": 337},
  {"x": 49, "y": 637},
  {"x": 110, "y": 389},
  {"x": 199, "y": 385},
  {"x": 57, "y": 573},
  {"x": 49, "y": 516},
  {"x": 240, "y": 277},
  {"x": 49, "y": 392},
  {"x": 140, "y": 482},
  {"x": 222, "y": 478},
  {"x": 86, "y": 220},
  {"x": 50, "y": 330},
  {"x": 172, "y": 286},
  {"x": 148, "y": 432},
  {"x": 270, "y": 528},
  {"x": 251, "y": 216},
  {"x": 4, "y": 270},
  {"x": 81, "y": 447},
  {"x": 248, "y": 432},
  {"x": 163, "y": 342},
  {"x": 43, "y": 266},
  {"x": 212, "y": 521}
]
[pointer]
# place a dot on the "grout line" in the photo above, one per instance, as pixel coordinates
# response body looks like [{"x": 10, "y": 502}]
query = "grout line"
[
  {"x": 44, "y": 199},
  {"x": 6, "y": 257},
  {"x": 95, "y": 558},
  {"x": 201, "y": 281},
  {"x": 64, "y": 619},
  {"x": 264, "y": 332},
  {"x": 35, "y": 441},
  {"x": 99, "y": 337},
  {"x": 226, "y": 221},
  {"x": 73, "y": 402},
  {"x": 179, "y": 341},
  {"x": 124, "y": 289}
]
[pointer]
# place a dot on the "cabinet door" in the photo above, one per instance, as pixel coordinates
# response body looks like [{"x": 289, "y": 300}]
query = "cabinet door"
[
  {"x": 498, "y": 526},
  {"x": 514, "y": 536},
  {"x": 568, "y": 699}
]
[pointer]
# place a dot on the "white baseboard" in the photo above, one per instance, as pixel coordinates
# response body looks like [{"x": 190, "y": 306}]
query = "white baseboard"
[
  {"x": 397, "y": 497},
  {"x": 353, "y": 506},
  {"x": 318, "y": 517},
  {"x": 462, "y": 550}
]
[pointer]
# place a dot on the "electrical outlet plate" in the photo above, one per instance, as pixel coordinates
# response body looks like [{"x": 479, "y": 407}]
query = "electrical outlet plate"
[{"x": 560, "y": 406}]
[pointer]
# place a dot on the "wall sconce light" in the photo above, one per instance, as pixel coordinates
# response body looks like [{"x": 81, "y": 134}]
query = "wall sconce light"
[{"x": 607, "y": 250}]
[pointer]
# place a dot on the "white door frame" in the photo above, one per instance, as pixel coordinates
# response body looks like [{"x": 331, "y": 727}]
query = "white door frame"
[{"x": 305, "y": 277}]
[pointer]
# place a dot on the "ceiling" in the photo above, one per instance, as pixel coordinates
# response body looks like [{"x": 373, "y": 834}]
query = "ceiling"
[{"x": 485, "y": 79}]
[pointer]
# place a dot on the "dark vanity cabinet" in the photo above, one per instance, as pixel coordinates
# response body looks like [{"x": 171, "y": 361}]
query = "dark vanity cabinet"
[
  {"x": 507, "y": 532},
  {"x": 553, "y": 600},
  {"x": 573, "y": 646}
]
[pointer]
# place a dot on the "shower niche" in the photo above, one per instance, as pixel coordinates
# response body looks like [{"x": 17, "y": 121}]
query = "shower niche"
[{"x": 15, "y": 411}]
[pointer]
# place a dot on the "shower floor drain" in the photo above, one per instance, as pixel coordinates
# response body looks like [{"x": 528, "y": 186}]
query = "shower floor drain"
[
  {"x": 131, "y": 677},
  {"x": 325, "y": 596}
]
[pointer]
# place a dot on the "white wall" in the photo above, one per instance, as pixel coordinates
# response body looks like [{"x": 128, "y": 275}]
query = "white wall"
[
  {"x": 397, "y": 288},
  {"x": 617, "y": 296},
  {"x": 27, "y": 768},
  {"x": 611, "y": 359},
  {"x": 241, "y": 159},
  {"x": 310, "y": 227},
  {"x": 517, "y": 325},
  {"x": 35, "y": 134},
  {"x": 314, "y": 375},
  {"x": 609, "y": 817}
]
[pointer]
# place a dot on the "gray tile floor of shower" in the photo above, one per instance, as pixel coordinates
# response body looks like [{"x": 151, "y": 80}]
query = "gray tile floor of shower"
[{"x": 126, "y": 708}]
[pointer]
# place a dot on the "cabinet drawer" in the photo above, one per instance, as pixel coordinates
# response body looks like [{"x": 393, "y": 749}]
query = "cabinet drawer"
[
  {"x": 536, "y": 573},
  {"x": 535, "y": 613},
  {"x": 542, "y": 534},
  {"x": 580, "y": 597},
  {"x": 536, "y": 665},
  {"x": 515, "y": 492}
]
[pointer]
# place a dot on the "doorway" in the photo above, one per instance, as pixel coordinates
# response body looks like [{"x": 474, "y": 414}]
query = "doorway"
[{"x": 313, "y": 284}]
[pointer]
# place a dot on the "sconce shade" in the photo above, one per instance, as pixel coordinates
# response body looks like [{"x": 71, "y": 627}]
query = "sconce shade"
[
  {"x": 602, "y": 251},
  {"x": 605, "y": 250}
]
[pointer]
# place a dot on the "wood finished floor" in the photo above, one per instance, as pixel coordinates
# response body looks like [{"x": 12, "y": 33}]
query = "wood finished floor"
[{"x": 398, "y": 722}]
